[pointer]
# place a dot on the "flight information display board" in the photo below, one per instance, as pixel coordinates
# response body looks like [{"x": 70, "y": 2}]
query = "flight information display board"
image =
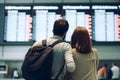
[
  {"x": 106, "y": 23},
  {"x": 77, "y": 15},
  {"x": 29, "y": 23},
  {"x": 44, "y": 18},
  {"x": 18, "y": 24}
]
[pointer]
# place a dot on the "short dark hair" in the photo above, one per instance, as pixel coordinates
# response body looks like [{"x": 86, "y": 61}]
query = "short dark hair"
[
  {"x": 105, "y": 65},
  {"x": 60, "y": 27}
]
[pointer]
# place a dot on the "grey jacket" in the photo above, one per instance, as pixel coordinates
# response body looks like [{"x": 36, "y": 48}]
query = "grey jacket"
[{"x": 62, "y": 53}]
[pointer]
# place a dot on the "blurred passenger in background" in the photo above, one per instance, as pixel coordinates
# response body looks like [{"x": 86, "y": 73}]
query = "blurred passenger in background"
[
  {"x": 15, "y": 73},
  {"x": 102, "y": 72},
  {"x": 116, "y": 72}
]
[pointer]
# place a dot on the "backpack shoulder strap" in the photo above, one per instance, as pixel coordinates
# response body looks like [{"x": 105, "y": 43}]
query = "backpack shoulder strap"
[
  {"x": 53, "y": 44},
  {"x": 56, "y": 42},
  {"x": 44, "y": 42}
]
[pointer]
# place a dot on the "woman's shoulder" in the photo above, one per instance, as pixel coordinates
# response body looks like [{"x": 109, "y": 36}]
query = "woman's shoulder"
[
  {"x": 74, "y": 50},
  {"x": 94, "y": 49}
]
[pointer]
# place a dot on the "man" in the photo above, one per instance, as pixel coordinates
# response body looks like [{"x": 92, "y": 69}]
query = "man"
[
  {"x": 102, "y": 72},
  {"x": 62, "y": 51},
  {"x": 116, "y": 72}
]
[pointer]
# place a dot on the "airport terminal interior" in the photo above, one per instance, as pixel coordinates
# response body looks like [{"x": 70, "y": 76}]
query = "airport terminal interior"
[{"x": 21, "y": 20}]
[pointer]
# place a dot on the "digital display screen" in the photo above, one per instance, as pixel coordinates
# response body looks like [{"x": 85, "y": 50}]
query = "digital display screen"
[
  {"x": 18, "y": 24},
  {"x": 35, "y": 22},
  {"x": 77, "y": 16},
  {"x": 44, "y": 18},
  {"x": 106, "y": 23}
]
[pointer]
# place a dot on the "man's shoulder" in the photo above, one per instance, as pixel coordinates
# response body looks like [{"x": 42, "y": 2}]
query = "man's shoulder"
[{"x": 37, "y": 43}]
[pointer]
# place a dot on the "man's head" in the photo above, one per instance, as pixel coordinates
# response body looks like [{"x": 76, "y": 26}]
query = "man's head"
[
  {"x": 113, "y": 64},
  {"x": 60, "y": 27},
  {"x": 106, "y": 65}
]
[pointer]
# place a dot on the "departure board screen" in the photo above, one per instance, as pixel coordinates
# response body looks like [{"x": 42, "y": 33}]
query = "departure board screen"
[
  {"x": 78, "y": 15},
  {"x": 29, "y": 23},
  {"x": 106, "y": 23},
  {"x": 18, "y": 24},
  {"x": 44, "y": 18}
]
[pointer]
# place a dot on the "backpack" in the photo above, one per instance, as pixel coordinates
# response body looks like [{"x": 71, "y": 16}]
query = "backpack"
[{"x": 37, "y": 64}]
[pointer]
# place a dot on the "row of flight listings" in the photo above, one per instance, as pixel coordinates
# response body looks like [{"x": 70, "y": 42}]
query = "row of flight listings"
[{"x": 103, "y": 23}]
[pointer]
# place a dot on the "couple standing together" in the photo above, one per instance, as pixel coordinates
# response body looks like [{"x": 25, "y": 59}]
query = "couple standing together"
[{"x": 81, "y": 60}]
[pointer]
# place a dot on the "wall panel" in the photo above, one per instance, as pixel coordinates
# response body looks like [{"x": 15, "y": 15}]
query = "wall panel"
[
  {"x": 1, "y": 1},
  {"x": 76, "y": 1},
  {"x": 18, "y": 1},
  {"x": 1, "y": 21},
  {"x": 14, "y": 52},
  {"x": 59, "y": 1},
  {"x": 108, "y": 52},
  {"x": 47, "y": 1},
  {"x": 1, "y": 53},
  {"x": 105, "y": 1},
  {"x": 18, "y": 52}
]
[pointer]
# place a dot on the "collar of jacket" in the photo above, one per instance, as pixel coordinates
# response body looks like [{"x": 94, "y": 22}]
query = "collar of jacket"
[{"x": 57, "y": 37}]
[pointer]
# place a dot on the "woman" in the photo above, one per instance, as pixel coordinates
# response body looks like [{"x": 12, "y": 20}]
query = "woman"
[{"x": 86, "y": 57}]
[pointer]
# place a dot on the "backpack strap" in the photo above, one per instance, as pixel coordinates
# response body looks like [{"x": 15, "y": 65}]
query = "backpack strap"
[
  {"x": 44, "y": 42},
  {"x": 53, "y": 44},
  {"x": 56, "y": 42}
]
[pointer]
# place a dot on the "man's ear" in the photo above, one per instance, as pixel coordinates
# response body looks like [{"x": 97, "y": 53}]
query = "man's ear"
[
  {"x": 64, "y": 35},
  {"x": 53, "y": 30}
]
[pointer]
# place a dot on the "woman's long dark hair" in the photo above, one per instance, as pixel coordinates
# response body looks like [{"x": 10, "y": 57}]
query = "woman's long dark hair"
[{"x": 81, "y": 41}]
